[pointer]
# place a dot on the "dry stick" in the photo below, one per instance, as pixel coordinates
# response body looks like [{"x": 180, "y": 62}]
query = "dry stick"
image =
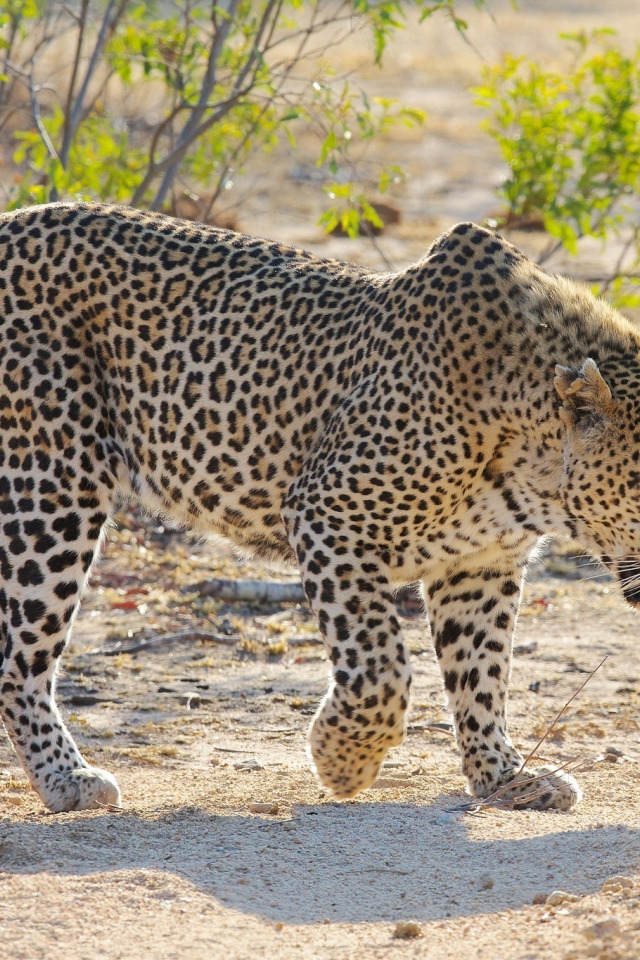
[
  {"x": 275, "y": 823},
  {"x": 313, "y": 640},
  {"x": 486, "y": 801},
  {"x": 495, "y": 796},
  {"x": 437, "y": 727},
  {"x": 493, "y": 800},
  {"x": 170, "y": 638},
  {"x": 109, "y": 807},
  {"x": 249, "y": 591},
  {"x": 278, "y": 730},
  {"x": 552, "y": 725}
]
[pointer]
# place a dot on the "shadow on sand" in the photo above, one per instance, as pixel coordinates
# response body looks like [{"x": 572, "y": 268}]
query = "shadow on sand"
[{"x": 351, "y": 862}]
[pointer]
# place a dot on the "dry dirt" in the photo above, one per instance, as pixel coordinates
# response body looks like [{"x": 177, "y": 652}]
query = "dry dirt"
[{"x": 190, "y": 866}]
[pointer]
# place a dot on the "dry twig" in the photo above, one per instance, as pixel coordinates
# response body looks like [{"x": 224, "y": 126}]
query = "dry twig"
[
  {"x": 249, "y": 591},
  {"x": 160, "y": 641},
  {"x": 494, "y": 798},
  {"x": 553, "y": 723}
]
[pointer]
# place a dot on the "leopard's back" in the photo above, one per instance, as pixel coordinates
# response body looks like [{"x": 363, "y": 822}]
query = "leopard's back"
[{"x": 192, "y": 366}]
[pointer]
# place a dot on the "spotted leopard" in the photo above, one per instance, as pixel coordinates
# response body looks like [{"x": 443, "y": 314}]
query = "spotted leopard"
[{"x": 378, "y": 429}]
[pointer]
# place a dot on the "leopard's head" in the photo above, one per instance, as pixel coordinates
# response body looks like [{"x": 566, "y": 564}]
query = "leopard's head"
[{"x": 601, "y": 471}]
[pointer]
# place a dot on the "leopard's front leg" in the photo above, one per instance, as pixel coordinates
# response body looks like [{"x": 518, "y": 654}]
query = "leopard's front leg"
[
  {"x": 363, "y": 713},
  {"x": 473, "y": 614}
]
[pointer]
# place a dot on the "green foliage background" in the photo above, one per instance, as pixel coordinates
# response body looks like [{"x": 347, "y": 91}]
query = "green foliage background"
[
  {"x": 571, "y": 142},
  {"x": 230, "y": 80},
  {"x": 233, "y": 79}
]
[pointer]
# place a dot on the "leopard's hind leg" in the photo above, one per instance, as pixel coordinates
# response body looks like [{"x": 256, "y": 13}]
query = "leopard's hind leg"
[{"x": 49, "y": 534}]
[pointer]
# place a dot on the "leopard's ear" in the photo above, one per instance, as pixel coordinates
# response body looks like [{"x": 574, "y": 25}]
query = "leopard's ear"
[{"x": 584, "y": 393}]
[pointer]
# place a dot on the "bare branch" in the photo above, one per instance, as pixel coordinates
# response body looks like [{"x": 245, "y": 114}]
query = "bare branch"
[
  {"x": 66, "y": 129},
  {"x": 617, "y": 270},
  {"x": 517, "y": 778},
  {"x": 5, "y": 87},
  {"x": 495, "y": 798},
  {"x": 553, "y": 722},
  {"x": 551, "y": 249},
  {"x": 166, "y": 639},
  {"x": 254, "y": 591},
  {"x": 42, "y": 130},
  {"x": 195, "y": 127},
  {"x": 111, "y": 18}
]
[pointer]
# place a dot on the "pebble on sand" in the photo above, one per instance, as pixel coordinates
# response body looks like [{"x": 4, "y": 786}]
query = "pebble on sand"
[{"x": 263, "y": 808}]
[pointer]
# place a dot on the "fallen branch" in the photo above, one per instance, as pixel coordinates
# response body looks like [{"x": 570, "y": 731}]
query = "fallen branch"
[
  {"x": 249, "y": 591},
  {"x": 436, "y": 727},
  {"x": 312, "y": 640},
  {"x": 188, "y": 635}
]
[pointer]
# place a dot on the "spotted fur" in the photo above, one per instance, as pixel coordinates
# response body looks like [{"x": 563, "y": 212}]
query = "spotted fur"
[{"x": 377, "y": 429}]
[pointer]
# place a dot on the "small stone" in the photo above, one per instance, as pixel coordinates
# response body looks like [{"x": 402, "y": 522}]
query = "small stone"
[
  {"x": 522, "y": 649},
  {"x": 616, "y": 884},
  {"x": 611, "y": 757},
  {"x": 248, "y": 765},
  {"x": 443, "y": 819},
  {"x": 540, "y": 898},
  {"x": 279, "y": 926},
  {"x": 407, "y": 930},
  {"x": 263, "y": 807},
  {"x": 612, "y": 888},
  {"x": 613, "y": 751},
  {"x": 225, "y": 626},
  {"x": 559, "y": 896},
  {"x": 486, "y": 882},
  {"x": 603, "y": 929}
]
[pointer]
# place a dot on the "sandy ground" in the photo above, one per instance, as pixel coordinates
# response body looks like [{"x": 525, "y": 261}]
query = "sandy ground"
[
  {"x": 198, "y": 733},
  {"x": 191, "y": 864}
]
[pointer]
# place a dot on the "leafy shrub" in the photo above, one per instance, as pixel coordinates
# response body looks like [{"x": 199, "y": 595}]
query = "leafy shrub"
[
  {"x": 571, "y": 141},
  {"x": 229, "y": 80}
]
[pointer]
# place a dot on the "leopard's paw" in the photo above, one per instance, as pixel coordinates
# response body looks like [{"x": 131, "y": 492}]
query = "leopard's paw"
[
  {"x": 84, "y": 788},
  {"x": 346, "y": 776},
  {"x": 347, "y": 758},
  {"x": 541, "y": 789}
]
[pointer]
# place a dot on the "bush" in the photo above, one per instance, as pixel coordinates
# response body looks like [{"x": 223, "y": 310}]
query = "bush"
[
  {"x": 572, "y": 145},
  {"x": 227, "y": 80}
]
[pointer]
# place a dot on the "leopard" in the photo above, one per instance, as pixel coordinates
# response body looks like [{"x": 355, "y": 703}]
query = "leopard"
[{"x": 430, "y": 425}]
